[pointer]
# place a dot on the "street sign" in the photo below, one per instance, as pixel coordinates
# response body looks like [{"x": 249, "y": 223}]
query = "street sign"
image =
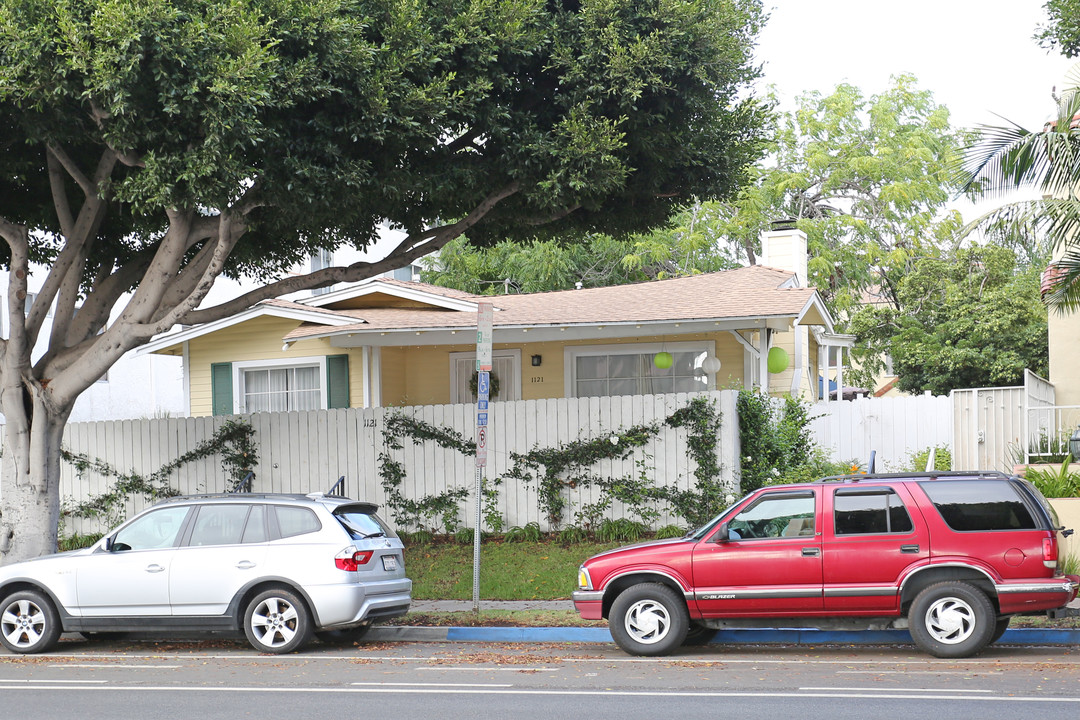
[
  {"x": 481, "y": 419},
  {"x": 484, "y": 319},
  {"x": 483, "y": 385},
  {"x": 481, "y": 446}
]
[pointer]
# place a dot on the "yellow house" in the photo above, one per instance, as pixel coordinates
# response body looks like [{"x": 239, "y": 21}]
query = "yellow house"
[{"x": 388, "y": 342}]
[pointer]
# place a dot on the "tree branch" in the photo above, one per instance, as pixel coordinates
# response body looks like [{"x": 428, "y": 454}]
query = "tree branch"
[
  {"x": 59, "y": 194},
  {"x": 84, "y": 183},
  {"x": 413, "y": 247}
]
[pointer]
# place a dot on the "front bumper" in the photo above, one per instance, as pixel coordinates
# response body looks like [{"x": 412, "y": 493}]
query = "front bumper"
[{"x": 589, "y": 604}]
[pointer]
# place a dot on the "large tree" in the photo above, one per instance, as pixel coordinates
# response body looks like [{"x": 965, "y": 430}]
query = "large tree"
[
  {"x": 152, "y": 146},
  {"x": 867, "y": 178},
  {"x": 968, "y": 318},
  {"x": 1044, "y": 163}
]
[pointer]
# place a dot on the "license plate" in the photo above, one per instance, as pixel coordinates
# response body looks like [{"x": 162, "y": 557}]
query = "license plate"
[{"x": 389, "y": 562}]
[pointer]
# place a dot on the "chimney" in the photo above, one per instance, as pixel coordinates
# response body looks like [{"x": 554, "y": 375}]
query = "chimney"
[{"x": 784, "y": 248}]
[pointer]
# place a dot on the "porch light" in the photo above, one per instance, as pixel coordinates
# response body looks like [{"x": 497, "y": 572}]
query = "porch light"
[{"x": 1074, "y": 444}]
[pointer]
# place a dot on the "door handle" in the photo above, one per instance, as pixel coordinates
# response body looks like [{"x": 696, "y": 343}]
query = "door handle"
[
  {"x": 154, "y": 568},
  {"x": 811, "y": 551},
  {"x": 909, "y": 548},
  {"x": 245, "y": 565}
]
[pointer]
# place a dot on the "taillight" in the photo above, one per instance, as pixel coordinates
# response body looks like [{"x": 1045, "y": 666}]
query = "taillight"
[
  {"x": 1050, "y": 552},
  {"x": 350, "y": 559}
]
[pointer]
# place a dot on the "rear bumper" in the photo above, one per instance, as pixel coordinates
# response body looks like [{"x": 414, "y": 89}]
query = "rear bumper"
[
  {"x": 348, "y": 605},
  {"x": 1037, "y": 595}
]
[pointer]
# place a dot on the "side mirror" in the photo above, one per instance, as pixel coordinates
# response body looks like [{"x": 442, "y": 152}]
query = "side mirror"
[{"x": 723, "y": 534}]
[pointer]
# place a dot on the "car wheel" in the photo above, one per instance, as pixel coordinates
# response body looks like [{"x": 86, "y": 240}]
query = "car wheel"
[
  {"x": 347, "y": 636},
  {"x": 277, "y": 621},
  {"x": 649, "y": 619},
  {"x": 951, "y": 620},
  {"x": 698, "y": 634},
  {"x": 29, "y": 623},
  {"x": 1000, "y": 628}
]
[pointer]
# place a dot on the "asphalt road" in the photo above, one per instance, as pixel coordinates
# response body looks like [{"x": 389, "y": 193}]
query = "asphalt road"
[{"x": 386, "y": 681}]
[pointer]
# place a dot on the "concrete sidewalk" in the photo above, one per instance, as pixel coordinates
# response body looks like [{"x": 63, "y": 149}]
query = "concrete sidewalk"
[{"x": 783, "y": 636}]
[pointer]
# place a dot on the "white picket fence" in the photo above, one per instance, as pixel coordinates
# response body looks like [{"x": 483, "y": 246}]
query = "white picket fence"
[
  {"x": 302, "y": 452},
  {"x": 894, "y": 427}
]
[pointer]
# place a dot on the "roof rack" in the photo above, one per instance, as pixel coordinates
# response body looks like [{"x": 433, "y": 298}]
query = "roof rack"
[{"x": 941, "y": 474}]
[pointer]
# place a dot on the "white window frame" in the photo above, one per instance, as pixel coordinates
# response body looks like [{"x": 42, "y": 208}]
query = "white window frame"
[
  {"x": 514, "y": 355},
  {"x": 572, "y": 352},
  {"x": 239, "y": 368}
]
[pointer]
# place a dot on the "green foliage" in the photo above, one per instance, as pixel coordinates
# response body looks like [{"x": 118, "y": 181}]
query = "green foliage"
[
  {"x": 1046, "y": 447},
  {"x": 1062, "y": 31},
  {"x": 530, "y": 533},
  {"x": 508, "y": 571},
  {"x": 233, "y": 441},
  {"x": 776, "y": 440},
  {"x": 970, "y": 318},
  {"x": 818, "y": 465},
  {"x": 1059, "y": 482},
  {"x": 555, "y": 471},
  {"x": 669, "y": 531},
  {"x": 431, "y": 512},
  {"x": 942, "y": 459},
  {"x": 620, "y": 530},
  {"x": 76, "y": 542},
  {"x": 572, "y": 535}
]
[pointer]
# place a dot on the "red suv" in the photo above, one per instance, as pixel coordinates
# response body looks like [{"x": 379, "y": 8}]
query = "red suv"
[{"x": 950, "y": 556}]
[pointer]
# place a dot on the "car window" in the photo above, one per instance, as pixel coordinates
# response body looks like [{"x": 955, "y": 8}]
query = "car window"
[
  {"x": 219, "y": 525},
  {"x": 869, "y": 511},
  {"x": 255, "y": 530},
  {"x": 154, "y": 530},
  {"x": 977, "y": 505},
  {"x": 773, "y": 516},
  {"x": 296, "y": 521},
  {"x": 361, "y": 522}
]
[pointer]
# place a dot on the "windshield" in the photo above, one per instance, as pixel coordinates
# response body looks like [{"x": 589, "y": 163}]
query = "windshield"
[
  {"x": 361, "y": 523},
  {"x": 705, "y": 529}
]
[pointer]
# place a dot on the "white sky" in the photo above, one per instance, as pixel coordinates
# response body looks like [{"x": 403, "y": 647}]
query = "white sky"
[{"x": 977, "y": 57}]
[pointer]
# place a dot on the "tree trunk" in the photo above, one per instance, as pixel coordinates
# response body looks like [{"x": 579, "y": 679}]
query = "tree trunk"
[{"x": 30, "y": 484}]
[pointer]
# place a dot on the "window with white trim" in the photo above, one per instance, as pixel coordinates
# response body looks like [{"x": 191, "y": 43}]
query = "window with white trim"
[
  {"x": 280, "y": 386},
  {"x": 631, "y": 369},
  {"x": 322, "y": 258},
  {"x": 505, "y": 367}
]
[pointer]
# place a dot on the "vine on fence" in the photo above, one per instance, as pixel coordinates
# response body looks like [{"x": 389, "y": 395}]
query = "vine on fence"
[
  {"x": 234, "y": 441},
  {"x": 556, "y": 470},
  {"x": 430, "y": 512}
]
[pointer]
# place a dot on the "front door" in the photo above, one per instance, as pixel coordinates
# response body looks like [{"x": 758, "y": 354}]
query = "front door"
[
  {"x": 769, "y": 565},
  {"x": 132, "y": 579}
]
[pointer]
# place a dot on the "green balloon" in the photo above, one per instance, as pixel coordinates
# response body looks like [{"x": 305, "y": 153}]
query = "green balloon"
[
  {"x": 663, "y": 360},
  {"x": 778, "y": 360}
]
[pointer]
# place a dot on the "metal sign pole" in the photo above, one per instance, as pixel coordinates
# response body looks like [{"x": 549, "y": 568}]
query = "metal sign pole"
[{"x": 483, "y": 386}]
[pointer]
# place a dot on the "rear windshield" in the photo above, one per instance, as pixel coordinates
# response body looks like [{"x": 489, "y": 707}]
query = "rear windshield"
[
  {"x": 977, "y": 505},
  {"x": 361, "y": 522}
]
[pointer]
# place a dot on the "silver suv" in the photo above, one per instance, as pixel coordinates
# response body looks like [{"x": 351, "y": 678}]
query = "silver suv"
[{"x": 280, "y": 567}]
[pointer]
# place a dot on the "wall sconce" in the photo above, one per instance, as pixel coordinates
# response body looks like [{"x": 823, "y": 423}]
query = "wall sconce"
[{"x": 536, "y": 360}]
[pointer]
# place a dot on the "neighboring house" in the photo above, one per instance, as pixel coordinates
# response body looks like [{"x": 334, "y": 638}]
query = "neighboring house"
[
  {"x": 1063, "y": 330},
  {"x": 149, "y": 386},
  {"x": 390, "y": 342}
]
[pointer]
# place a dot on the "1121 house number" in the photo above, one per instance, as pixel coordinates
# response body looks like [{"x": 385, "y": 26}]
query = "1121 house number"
[{"x": 537, "y": 379}]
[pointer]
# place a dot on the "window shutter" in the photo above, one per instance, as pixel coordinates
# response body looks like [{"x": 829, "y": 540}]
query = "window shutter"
[
  {"x": 337, "y": 381},
  {"x": 221, "y": 388}
]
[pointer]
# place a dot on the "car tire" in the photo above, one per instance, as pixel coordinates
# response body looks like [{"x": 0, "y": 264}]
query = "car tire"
[
  {"x": 347, "y": 636},
  {"x": 999, "y": 629},
  {"x": 698, "y": 634},
  {"x": 952, "y": 620},
  {"x": 29, "y": 623},
  {"x": 277, "y": 621},
  {"x": 649, "y": 619}
]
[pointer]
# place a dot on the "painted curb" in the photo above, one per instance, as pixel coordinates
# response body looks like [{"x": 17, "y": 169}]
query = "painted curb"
[{"x": 782, "y": 636}]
